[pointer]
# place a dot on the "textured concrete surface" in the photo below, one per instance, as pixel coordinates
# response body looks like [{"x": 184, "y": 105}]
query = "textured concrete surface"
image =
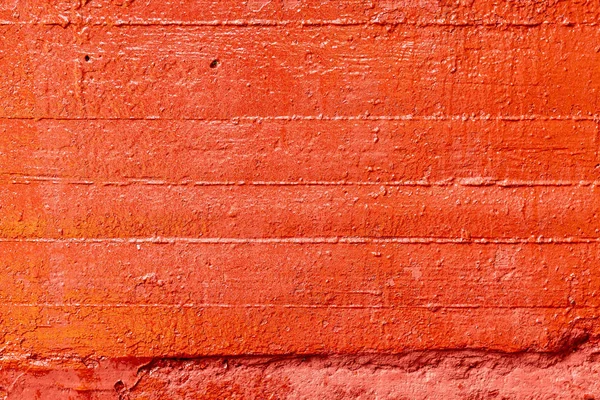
[
  {"x": 299, "y": 199},
  {"x": 454, "y": 374}
]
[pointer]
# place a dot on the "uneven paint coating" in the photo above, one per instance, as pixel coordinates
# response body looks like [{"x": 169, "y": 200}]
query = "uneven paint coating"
[
  {"x": 299, "y": 199},
  {"x": 331, "y": 71},
  {"x": 421, "y": 152}
]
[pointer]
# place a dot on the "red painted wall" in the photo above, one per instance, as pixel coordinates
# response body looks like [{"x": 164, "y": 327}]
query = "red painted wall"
[{"x": 240, "y": 199}]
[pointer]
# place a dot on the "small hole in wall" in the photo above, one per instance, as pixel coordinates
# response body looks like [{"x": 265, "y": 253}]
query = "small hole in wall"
[
  {"x": 119, "y": 386},
  {"x": 86, "y": 58},
  {"x": 214, "y": 64}
]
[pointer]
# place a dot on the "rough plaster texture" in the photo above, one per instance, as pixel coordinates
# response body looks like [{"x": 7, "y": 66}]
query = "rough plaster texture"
[{"x": 299, "y": 199}]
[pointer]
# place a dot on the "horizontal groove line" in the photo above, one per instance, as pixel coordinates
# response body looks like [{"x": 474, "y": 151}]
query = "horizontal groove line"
[
  {"x": 250, "y": 23},
  {"x": 310, "y": 240},
  {"x": 408, "y": 117},
  {"x": 474, "y": 182},
  {"x": 432, "y": 307}
]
